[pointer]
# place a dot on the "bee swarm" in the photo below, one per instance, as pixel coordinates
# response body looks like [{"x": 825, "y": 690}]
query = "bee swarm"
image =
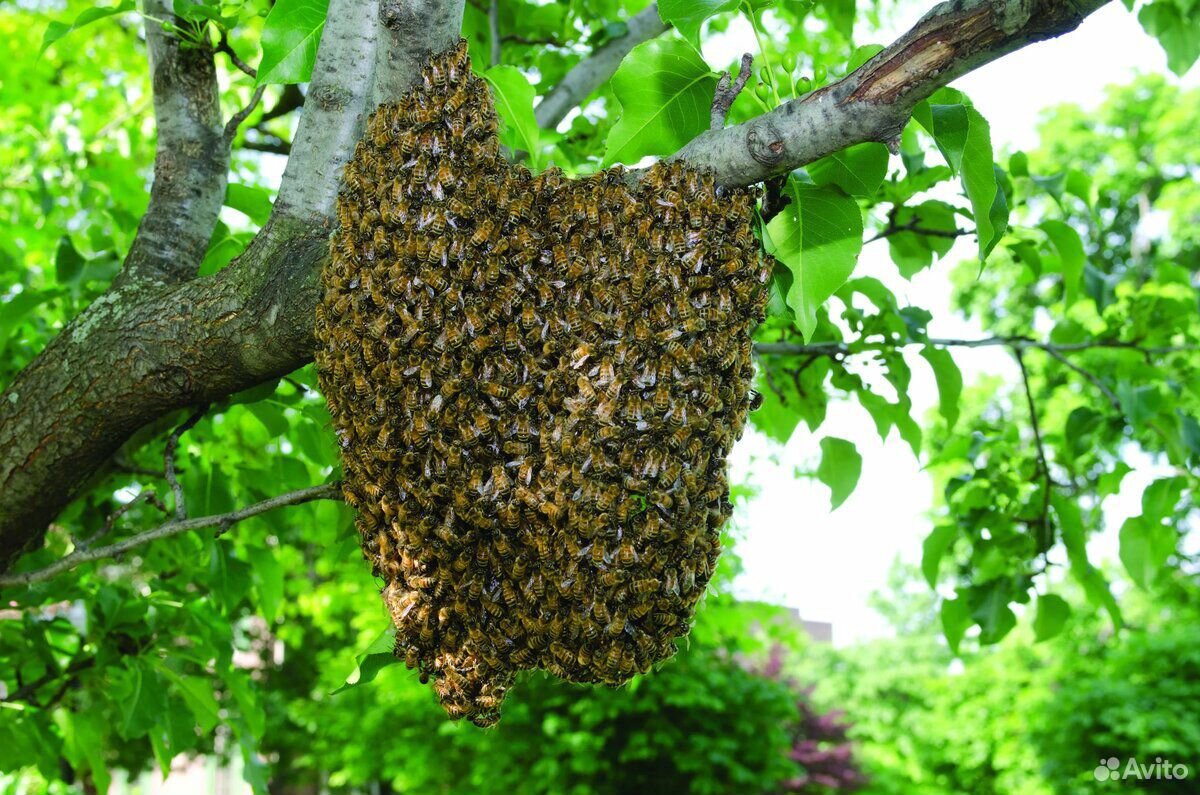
[{"x": 535, "y": 382}]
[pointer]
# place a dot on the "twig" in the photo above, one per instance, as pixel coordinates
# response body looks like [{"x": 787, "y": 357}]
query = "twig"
[
  {"x": 145, "y": 496},
  {"x": 1089, "y": 375},
  {"x": 726, "y": 93},
  {"x": 327, "y": 491},
  {"x": 494, "y": 31},
  {"x": 1022, "y": 343},
  {"x": 169, "y": 462},
  {"x": 28, "y": 691},
  {"x": 1043, "y": 466},
  {"x": 911, "y": 226},
  {"x": 235, "y": 121},
  {"x": 224, "y": 46},
  {"x": 276, "y": 146}
]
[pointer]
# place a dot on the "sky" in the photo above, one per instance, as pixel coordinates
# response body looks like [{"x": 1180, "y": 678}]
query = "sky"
[{"x": 826, "y": 564}]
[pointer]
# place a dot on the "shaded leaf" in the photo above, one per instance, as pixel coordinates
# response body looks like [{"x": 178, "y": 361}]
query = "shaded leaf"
[
  {"x": 1052, "y": 614},
  {"x": 858, "y": 170}
]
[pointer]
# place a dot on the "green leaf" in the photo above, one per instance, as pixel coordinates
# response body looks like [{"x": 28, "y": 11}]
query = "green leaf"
[
  {"x": 858, "y": 170},
  {"x": 83, "y": 736},
  {"x": 1160, "y": 498},
  {"x": 965, "y": 139},
  {"x": 839, "y": 469},
  {"x": 665, "y": 90},
  {"x": 56, "y": 30},
  {"x": 290, "y": 38},
  {"x": 1177, "y": 32},
  {"x": 990, "y": 609},
  {"x": 247, "y": 700},
  {"x": 688, "y": 15},
  {"x": 949, "y": 381},
  {"x": 1069, "y": 246},
  {"x": 379, "y": 655},
  {"x": 139, "y": 693},
  {"x": 197, "y": 693},
  {"x": 68, "y": 262},
  {"x": 1075, "y": 540},
  {"x": 1052, "y": 614},
  {"x": 1145, "y": 546},
  {"x": 913, "y": 251},
  {"x": 268, "y": 581},
  {"x": 818, "y": 237},
  {"x": 14, "y": 311},
  {"x": 934, "y": 548},
  {"x": 956, "y": 618},
  {"x": 254, "y": 203},
  {"x": 514, "y": 104}
]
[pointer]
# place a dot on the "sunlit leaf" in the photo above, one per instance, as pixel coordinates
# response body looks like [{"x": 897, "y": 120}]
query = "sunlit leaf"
[
  {"x": 818, "y": 237},
  {"x": 290, "y": 38},
  {"x": 665, "y": 90},
  {"x": 840, "y": 468}
]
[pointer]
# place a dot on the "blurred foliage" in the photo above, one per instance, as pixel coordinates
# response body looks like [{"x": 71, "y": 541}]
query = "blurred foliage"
[
  {"x": 231, "y": 645},
  {"x": 1025, "y": 717}
]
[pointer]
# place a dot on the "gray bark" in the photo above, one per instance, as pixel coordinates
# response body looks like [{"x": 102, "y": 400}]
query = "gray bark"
[
  {"x": 191, "y": 159},
  {"x": 335, "y": 111},
  {"x": 141, "y": 352},
  {"x": 410, "y": 31}
]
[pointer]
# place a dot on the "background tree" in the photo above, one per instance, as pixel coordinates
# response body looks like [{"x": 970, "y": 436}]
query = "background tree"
[{"x": 159, "y": 406}]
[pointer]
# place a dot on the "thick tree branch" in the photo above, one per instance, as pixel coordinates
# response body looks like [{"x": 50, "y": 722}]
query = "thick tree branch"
[
  {"x": 191, "y": 159},
  {"x": 874, "y": 102},
  {"x": 327, "y": 491},
  {"x": 409, "y": 32},
  {"x": 335, "y": 111},
  {"x": 590, "y": 73}
]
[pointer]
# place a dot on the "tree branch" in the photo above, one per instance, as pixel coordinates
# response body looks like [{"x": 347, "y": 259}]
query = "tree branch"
[
  {"x": 191, "y": 159},
  {"x": 335, "y": 111},
  {"x": 874, "y": 102},
  {"x": 590, "y": 73},
  {"x": 726, "y": 93},
  {"x": 169, "y": 462},
  {"x": 326, "y": 491},
  {"x": 409, "y": 32},
  {"x": 1016, "y": 343},
  {"x": 1043, "y": 464}
]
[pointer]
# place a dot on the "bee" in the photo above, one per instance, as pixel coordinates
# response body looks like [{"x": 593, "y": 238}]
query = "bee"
[{"x": 483, "y": 232}]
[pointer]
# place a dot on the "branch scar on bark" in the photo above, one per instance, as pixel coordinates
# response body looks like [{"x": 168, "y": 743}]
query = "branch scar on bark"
[{"x": 766, "y": 145}]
